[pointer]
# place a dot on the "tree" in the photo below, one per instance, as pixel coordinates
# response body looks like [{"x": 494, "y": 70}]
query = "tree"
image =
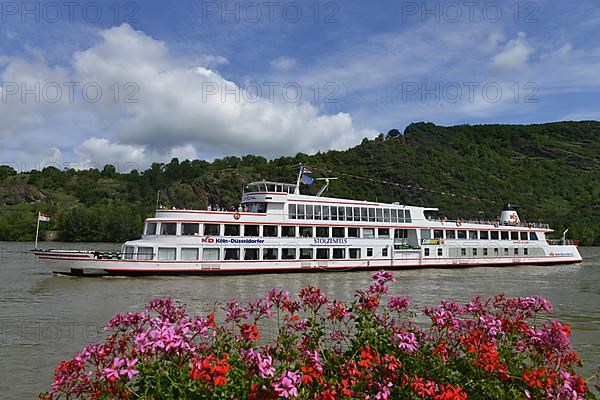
[
  {"x": 109, "y": 171},
  {"x": 6, "y": 171},
  {"x": 393, "y": 133}
]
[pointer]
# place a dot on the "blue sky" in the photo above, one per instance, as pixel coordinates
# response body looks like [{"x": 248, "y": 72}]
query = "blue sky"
[{"x": 212, "y": 78}]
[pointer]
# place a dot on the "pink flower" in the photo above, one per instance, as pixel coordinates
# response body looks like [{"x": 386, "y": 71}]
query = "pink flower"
[
  {"x": 124, "y": 321},
  {"x": 265, "y": 366},
  {"x": 312, "y": 297},
  {"x": 475, "y": 306},
  {"x": 378, "y": 288},
  {"x": 129, "y": 370},
  {"x": 445, "y": 315},
  {"x": 383, "y": 277},
  {"x": 399, "y": 304},
  {"x": 261, "y": 307},
  {"x": 286, "y": 386},
  {"x": 384, "y": 391},
  {"x": 492, "y": 325},
  {"x": 113, "y": 373},
  {"x": 277, "y": 297},
  {"x": 249, "y": 355},
  {"x": 202, "y": 326},
  {"x": 407, "y": 341},
  {"x": 337, "y": 311},
  {"x": 235, "y": 312}
]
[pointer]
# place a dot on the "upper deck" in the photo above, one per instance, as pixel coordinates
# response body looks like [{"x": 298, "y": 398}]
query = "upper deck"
[{"x": 281, "y": 203}]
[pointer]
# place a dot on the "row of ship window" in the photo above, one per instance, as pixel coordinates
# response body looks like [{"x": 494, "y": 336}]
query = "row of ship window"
[
  {"x": 249, "y": 254},
  {"x": 193, "y": 229},
  {"x": 475, "y": 252},
  {"x": 340, "y": 213},
  {"x": 252, "y": 254},
  {"x": 483, "y": 235}
]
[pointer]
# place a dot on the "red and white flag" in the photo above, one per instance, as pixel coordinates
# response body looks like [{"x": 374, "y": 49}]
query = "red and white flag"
[{"x": 43, "y": 217}]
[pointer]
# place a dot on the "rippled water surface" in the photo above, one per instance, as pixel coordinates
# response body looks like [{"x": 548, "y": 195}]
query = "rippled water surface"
[{"x": 45, "y": 318}]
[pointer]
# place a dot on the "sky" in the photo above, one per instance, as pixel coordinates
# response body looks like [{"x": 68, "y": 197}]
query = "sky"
[{"x": 86, "y": 83}]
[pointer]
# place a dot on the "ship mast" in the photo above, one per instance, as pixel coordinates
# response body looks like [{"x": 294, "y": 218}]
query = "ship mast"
[
  {"x": 297, "y": 190},
  {"x": 324, "y": 186}
]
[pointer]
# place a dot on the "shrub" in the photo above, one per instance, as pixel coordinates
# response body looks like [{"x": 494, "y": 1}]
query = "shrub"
[{"x": 375, "y": 347}]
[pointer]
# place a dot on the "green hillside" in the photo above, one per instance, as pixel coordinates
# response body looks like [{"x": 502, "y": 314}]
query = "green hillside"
[{"x": 467, "y": 171}]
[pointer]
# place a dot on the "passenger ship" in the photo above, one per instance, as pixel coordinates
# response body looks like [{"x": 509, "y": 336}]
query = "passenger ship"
[{"x": 284, "y": 231}]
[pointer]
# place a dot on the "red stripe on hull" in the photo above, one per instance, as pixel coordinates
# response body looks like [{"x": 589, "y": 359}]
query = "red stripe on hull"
[{"x": 148, "y": 271}]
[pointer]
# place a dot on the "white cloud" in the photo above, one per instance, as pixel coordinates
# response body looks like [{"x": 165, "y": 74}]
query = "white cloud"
[
  {"x": 187, "y": 152},
  {"x": 283, "y": 63},
  {"x": 26, "y": 88},
  {"x": 430, "y": 53},
  {"x": 515, "y": 53},
  {"x": 210, "y": 60},
  {"x": 96, "y": 152},
  {"x": 54, "y": 157},
  {"x": 563, "y": 51},
  {"x": 492, "y": 41},
  {"x": 10, "y": 34},
  {"x": 174, "y": 115},
  {"x": 173, "y": 112},
  {"x": 582, "y": 115}
]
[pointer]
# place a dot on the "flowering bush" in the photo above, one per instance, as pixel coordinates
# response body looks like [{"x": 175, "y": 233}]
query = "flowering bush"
[{"x": 370, "y": 348}]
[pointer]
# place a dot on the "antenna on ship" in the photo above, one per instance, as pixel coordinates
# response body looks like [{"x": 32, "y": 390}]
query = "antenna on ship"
[
  {"x": 324, "y": 186},
  {"x": 297, "y": 189},
  {"x": 563, "y": 238}
]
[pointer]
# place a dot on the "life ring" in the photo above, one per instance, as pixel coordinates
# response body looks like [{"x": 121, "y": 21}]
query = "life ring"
[
  {"x": 236, "y": 215},
  {"x": 458, "y": 223}
]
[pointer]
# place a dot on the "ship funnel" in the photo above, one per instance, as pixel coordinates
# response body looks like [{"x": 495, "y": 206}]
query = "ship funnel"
[{"x": 509, "y": 214}]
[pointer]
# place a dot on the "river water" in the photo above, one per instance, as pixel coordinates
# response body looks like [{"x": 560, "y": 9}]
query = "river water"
[{"x": 45, "y": 318}]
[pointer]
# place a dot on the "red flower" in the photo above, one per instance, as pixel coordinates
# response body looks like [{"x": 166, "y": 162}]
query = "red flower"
[
  {"x": 250, "y": 332},
  {"x": 540, "y": 378},
  {"x": 312, "y": 297},
  {"x": 346, "y": 388},
  {"x": 422, "y": 387},
  {"x": 327, "y": 394},
  {"x": 211, "y": 369},
  {"x": 220, "y": 381},
  {"x": 337, "y": 311},
  {"x": 449, "y": 392},
  {"x": 441, "y": 350},
  {"x": 579, "y": 385},
  {"x": 392, "y": 363},
  {"x": 488, "y": 356},
  {"x": 211, "y": 320},
  {"x": 310, "y": 374},
  {"x": 367, "y": 357}
]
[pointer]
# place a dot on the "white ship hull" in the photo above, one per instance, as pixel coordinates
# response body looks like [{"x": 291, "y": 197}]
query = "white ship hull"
[{"x": 62, "y": 263}]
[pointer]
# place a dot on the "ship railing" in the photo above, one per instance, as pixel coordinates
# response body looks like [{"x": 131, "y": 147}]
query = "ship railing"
[{"x": 458, "y": 222}]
